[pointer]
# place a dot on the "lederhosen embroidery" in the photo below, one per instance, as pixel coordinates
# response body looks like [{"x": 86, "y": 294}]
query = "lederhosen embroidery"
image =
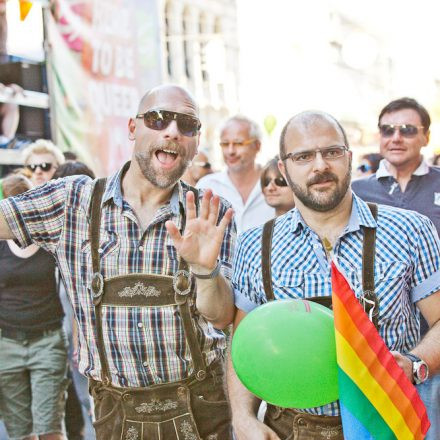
[
  {"x": 158, "y": 411},
  {"x": 281, "y": 419}
]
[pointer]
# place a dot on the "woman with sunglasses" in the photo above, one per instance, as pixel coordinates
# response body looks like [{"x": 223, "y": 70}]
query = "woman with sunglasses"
[
  {"x": 42, "y": 158},
  {"x": 276, "y": 191}
]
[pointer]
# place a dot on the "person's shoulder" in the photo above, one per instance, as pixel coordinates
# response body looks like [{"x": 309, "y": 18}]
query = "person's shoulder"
[
  {"x": 405, "y": 219},
  {"x": 209, "y": 179},
  {"x": 363, "y": 182},
  {"x": 434, "y": 172}
]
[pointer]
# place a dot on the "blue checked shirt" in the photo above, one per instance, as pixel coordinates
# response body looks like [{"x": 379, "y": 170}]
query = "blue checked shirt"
[
  {"x": 407, "y": 268},
  {"x": 144, "y": 346}
]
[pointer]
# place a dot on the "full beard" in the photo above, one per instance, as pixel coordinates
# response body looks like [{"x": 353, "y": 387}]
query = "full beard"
[
  {"x": 325, "y": 200},
  {"x": 157, "y": 178}
]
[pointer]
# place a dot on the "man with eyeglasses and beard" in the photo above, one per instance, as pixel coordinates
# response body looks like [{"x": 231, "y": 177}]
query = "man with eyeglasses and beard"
[
  {"x": 146, "y": 262},
  {"x": 329, "y": 219},
  {"x": 405, "y": 180}
]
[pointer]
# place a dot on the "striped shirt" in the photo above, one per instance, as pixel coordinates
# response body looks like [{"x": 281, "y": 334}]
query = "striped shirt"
[
  {"x": 407, "y": 268},
  {"x": 144, "y": 346}
]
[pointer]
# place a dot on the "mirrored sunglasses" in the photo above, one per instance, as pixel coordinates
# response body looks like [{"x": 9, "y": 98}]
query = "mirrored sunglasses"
[
  {"x": 45, "y": 166},
  {"x": 364, "y": 168},
  {"x": 405, "y": 130},
  {"x": 161, "y": 119},
  {"x": 279, "y": 181}
]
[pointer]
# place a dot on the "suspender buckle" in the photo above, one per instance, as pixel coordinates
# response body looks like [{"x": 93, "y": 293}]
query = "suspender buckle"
[
  {"x": 97, "y": 287},
  {"x": 370, "y": 304},
  {"x": 178, "y": 282}
]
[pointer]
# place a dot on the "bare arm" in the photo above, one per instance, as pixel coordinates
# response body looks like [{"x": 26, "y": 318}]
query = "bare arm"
[
  {"x": 244, "y": 404},
  {"x": 5, "y": 230},
  {"x": 428, "y": 348}
]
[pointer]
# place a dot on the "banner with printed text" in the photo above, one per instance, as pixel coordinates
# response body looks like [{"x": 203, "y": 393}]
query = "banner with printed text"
[{"x": 102, "y": 56}]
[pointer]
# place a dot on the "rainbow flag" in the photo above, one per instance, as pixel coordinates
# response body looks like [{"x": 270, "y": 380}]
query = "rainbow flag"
[{"x": 377, "y": 400}]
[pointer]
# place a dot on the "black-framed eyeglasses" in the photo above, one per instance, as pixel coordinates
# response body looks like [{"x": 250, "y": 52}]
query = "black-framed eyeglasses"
[
  {"x": 44, "y": 166},
  {"x": 279, "y": 181},
  {"x": 160, "y": 119},
  {"x": 405, "y": 130},
  {"x": 202, "y": 164},
  {"x": 329, "y": 153}
]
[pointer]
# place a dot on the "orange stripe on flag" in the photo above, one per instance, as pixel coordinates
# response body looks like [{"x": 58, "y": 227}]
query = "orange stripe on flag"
[
  {"x": 345, "y": 326},
  {"x": 25, "y": 7}
]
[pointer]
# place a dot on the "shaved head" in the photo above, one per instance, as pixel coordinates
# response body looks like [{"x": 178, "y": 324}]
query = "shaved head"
[
  {"x": 305, "y": 122},
  {"x": 168, "y": 89}
]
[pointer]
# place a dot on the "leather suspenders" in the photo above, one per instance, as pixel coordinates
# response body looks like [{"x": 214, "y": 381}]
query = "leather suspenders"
[{"x": 369, "y": 299}]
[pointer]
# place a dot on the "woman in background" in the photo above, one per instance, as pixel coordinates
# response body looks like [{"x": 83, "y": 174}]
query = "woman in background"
[{"x": 276, "y": 191}]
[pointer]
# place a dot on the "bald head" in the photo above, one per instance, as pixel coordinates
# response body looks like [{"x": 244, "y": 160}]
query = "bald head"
[
  {"x": 304, "y": 123},
  {"x": 171, "y": 91}
]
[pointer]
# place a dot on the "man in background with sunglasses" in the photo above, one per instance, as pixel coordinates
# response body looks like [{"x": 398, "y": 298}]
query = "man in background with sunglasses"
[
  {"x": 239, "y": 184},
  {"x": 146, "y": 263},
  {"x": 405, "y": 180},
  {"x": 329, "y": 220},
  {"x": 42, "y": 159}
]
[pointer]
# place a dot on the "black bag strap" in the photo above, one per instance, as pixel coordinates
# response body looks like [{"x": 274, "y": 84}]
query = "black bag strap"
[
  {"x": 370, "y": 301},
  {"x": 266, "y": 251}
]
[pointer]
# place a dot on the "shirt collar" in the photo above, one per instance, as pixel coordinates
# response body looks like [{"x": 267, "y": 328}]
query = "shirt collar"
[
  {"x": 360, "y": 216},
  {"x": 382, "y": 171},
  {"x": 114, "y": 191}
]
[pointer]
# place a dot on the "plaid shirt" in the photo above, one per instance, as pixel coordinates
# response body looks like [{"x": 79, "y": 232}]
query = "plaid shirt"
[
  {"x": 144, "y": 346},
  {"x": 407, "y": 268}
]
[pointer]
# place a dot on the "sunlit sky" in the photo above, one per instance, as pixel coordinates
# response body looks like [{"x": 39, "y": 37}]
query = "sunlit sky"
[{"x": 283, "y": 45}]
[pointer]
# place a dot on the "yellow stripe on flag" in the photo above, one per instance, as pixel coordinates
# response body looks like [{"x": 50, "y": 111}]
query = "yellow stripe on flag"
[
  {"x": 352, "y": 365},
  {"x": 25, "y": 7}
]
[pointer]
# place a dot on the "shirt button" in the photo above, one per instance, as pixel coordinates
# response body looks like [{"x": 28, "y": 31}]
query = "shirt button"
[
  {"x": 145, "y": 364},
  {"x": 100, "y": 251},
  {"x": 141, "y": 248},
  {"x": 140, "y": 325},
  {"x": 316, "y": 246}
]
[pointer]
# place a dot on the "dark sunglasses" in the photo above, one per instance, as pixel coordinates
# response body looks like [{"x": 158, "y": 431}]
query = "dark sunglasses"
[
  {"x": 45, "y": 166},
  {"x": 161, "y": 119},
  {"x": 202, "y": 164},
  {"x": 364, "y": 168},
  {"x": 405, "y": 130},
  {"x": 279, "y": 181}
]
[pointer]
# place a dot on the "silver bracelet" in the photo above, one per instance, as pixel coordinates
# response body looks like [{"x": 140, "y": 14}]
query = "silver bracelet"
[{"x": 210, "y": 275}]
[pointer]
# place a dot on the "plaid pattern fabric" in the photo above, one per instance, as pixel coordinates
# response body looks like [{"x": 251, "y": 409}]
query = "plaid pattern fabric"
[
  {"x": 144, "y": 346},
  {"x": 407, "y": 264}
]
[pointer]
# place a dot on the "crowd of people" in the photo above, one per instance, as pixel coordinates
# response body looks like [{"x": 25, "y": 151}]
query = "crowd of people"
[{"x": 152, "y": 276}]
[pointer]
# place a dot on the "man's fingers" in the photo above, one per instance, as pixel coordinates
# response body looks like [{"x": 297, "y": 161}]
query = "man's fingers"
[
  {"x": 226, "y": 220},
  {"x": 173, "y": 232},
  {"x": 204, "y": 206},
  {"x": 214, "y": 210},
  {"x": 190, "y": 206}
]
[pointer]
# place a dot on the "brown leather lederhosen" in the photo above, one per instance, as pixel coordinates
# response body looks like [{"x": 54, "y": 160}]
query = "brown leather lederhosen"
[
  {"x": 291, "y": 424},
  {"x": 192, "y": 409}
]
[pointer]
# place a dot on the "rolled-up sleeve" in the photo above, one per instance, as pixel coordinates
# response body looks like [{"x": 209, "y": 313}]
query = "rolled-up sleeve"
[
  {"x": 37, "y": 216},
  {"x": 426, "y": 275}
]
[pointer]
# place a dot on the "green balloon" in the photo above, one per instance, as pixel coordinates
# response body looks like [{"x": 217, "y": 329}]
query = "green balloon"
[
  {"x": 284, "y": 352},
  {"x": 270, "y": 121}
]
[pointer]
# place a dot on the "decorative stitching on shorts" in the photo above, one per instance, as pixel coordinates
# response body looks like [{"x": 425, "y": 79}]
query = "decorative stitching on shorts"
[
  {"x": 139, "y": 289},
  {"x": 187, "y": 430},
  {"x": 156, "y": 405},
  {"x": 132, "y": 434}
]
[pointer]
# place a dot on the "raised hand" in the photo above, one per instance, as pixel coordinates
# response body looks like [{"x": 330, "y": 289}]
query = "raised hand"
[{"x": 201, "y": 241}]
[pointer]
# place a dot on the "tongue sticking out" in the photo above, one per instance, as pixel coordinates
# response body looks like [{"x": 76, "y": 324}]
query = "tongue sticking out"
[{"x": 165, "y": 158}]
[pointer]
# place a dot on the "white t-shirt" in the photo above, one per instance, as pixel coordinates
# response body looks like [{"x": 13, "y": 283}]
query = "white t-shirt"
[{"x": 254, "y": 212}]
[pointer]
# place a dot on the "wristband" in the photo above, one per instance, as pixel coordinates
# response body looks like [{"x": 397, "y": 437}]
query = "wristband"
[{"x": 210, "y": 275}]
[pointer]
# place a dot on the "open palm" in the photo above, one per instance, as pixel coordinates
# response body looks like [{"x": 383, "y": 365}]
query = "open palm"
[{"x": 201, "y": 241}]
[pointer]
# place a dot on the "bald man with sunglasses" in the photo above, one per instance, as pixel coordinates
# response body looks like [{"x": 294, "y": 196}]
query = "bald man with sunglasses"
[
  {"x": 405, "y": 180},
  {"x": 146, "y": 260}
]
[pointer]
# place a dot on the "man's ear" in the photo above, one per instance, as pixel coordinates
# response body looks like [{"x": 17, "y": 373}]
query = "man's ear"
[
  {"x": 282, "y": 168},
  {"x": 427, "y": 135},
  {"x": 257, "y": 146},
  {"x": 131, "y": 129}
]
